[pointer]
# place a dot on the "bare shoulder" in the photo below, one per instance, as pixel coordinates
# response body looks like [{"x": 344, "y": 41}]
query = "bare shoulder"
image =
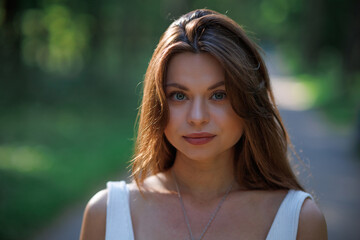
[
  {"x": 94, "y": 220},
  {"x": 153, "y": 183},
  {"x": 312, "y": 223}
]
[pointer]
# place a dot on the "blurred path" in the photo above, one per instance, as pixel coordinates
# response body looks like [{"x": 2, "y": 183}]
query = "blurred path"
[
  {"x": 333, "y": 176},
  {"x": 66, "y": 226},
  {"x": 327, "y": 150},
  {"x": 335, "y": 173}
]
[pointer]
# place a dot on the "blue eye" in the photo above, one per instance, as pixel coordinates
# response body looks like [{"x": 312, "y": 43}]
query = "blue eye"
[
  {"x": 219, "y": 96},
  {"x": 178, "y": 96}
]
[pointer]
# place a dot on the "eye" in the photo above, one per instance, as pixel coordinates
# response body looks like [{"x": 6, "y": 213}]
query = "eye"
[
  {"x": 177, "y": 96},
  {"x": 218, "y": 96}
]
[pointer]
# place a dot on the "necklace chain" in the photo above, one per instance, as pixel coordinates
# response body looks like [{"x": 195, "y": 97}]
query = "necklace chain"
[{"x": 212, "y": 216}]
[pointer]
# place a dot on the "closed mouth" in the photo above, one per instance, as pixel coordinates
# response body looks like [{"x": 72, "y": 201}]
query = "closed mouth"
[
  {"x": 199, "y": 138},
  {"x": 200, "y": 135}
]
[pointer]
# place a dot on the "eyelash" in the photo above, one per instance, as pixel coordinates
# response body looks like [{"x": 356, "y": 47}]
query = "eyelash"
[{"x": 172, "y": 94}]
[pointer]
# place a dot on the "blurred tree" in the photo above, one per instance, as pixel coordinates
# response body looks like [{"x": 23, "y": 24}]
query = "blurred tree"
[
  {"x": 330, "y": 36},
  {"x": 10, "y": 59}
]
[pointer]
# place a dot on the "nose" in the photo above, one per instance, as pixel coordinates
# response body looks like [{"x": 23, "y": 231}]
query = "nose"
[{"x": 198, "y": 113}]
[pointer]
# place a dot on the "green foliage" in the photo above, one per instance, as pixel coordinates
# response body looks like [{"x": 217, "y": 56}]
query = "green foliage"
[
  {"x": 54, "y": 156},
  {"x": 55, "y": 39}
]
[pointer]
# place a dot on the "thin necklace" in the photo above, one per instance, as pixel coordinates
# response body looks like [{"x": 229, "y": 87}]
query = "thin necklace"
[{"x": 212, "y": 216}]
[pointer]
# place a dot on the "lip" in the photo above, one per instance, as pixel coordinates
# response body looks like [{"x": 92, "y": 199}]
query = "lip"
[{"x": 199, "y": 138}]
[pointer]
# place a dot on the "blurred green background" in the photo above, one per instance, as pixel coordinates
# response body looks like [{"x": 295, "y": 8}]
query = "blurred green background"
[{"x": 71, "y": 72}]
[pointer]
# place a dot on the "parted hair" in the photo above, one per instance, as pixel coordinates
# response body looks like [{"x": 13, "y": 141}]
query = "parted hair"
[{"x": 261, "y": 159}]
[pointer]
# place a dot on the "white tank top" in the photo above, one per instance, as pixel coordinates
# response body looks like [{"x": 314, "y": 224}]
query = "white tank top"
[{"x": 119, "y": 225}]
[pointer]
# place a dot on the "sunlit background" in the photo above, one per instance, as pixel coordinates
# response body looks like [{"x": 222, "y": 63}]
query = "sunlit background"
[{"x": 71, "y": 73}]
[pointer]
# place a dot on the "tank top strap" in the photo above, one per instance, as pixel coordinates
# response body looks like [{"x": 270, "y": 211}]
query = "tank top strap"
[
  {"x": 118, "y": 217},
  {"x": 285, "y": 224}
]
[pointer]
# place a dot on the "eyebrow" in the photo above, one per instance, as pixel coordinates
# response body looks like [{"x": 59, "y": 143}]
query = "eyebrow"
[{"x": 182, "y": 87}]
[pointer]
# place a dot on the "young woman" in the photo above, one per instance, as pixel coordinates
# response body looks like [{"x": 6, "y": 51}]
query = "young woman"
[{"x": 211, "y": 152}]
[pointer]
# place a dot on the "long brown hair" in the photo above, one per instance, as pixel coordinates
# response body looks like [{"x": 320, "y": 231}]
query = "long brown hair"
[{"x": 261, "y": 160}]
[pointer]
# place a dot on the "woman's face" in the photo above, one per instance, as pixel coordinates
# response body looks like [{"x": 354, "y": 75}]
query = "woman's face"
[{"x": 202, "y": 123}]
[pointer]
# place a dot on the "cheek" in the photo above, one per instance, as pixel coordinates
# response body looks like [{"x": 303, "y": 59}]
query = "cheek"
[
  {"x": 176, "y": 114},
  {"x": 229, "y": 121},
  {"x": 175, "y": 119}
]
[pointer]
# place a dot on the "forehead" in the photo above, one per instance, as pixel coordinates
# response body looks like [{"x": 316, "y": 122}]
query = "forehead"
[{"x": 194, "y": 68}]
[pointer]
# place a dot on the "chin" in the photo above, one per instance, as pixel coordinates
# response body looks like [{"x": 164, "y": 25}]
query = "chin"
[{"x": 199, "y": 155}]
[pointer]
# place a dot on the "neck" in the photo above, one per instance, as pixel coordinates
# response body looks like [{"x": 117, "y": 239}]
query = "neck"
[{"x": 204, "y": 180}]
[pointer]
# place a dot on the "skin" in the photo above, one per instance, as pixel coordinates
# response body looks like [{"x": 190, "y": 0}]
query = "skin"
[
  {"x": 203, "y": 172},
  {"x": 201, "y": 108}
]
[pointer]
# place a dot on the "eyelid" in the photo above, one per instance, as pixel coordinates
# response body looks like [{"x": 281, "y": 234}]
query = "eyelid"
[
  {"x": 172, "y": 93},
  {"x": 174, "y": 88},
  {"x": 219, "y": 91}
]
